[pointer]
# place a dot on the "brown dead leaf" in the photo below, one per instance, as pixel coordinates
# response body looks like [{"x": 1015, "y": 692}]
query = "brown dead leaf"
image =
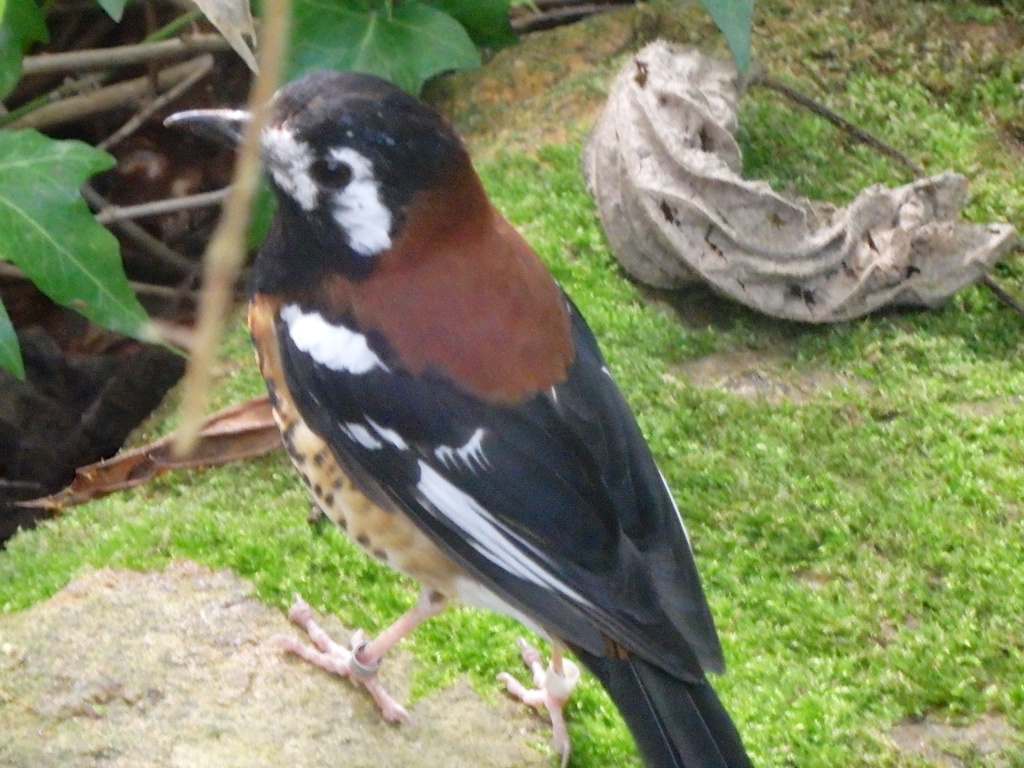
[{"x": 240, "y": 432}]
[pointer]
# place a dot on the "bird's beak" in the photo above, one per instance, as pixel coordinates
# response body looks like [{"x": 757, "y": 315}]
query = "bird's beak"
[{"x": 224, "y": 126}]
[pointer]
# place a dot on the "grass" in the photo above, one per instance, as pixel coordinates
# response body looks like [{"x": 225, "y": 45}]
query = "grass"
[{"x": 861, "y": 548}]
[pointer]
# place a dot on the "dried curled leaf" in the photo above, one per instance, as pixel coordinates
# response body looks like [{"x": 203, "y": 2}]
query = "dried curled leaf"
[
  {"x": 664, "y": 169},
  {"x": 233, "y": 19}
]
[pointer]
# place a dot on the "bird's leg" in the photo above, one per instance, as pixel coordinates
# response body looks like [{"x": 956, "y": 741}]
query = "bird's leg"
[
  {"x": 552, "y": 688},
  {"x": 370, "y": 653},
  {"x": 363, "y": 660}
]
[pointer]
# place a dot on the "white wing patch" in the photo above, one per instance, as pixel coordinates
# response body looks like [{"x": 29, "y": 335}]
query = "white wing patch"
[
  {"x": 337, "y": 347},
  {"x": 361, "y": 435},
  {"x": 469, "y": 455},
  {"x": 489, "y": 536},
  {"x": 358, "y": 208},
  {"x": 388, "y": 434},
  {"x": 288, "y": 161}
]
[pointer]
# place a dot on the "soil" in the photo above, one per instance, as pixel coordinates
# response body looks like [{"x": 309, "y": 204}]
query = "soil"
[{"x": 951, "y": 745}]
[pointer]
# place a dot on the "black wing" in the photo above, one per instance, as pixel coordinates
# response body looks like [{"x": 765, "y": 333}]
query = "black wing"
[{"x": 554, "y": 504}]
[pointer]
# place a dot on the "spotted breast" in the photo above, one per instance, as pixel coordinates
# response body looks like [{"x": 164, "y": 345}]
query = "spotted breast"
[{"x": 346, "y": 494}]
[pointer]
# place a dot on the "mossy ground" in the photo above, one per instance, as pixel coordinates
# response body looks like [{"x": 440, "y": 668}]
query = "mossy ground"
[{"x": 861, "y": 545}]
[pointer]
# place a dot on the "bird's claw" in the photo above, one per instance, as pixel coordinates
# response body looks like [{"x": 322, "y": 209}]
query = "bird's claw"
[
  {"x": 531, "y": 656},
  {"x": 551, "y": 690},
  {"x": 339, "y": 660},
  {"x": 300, "y": 613}
]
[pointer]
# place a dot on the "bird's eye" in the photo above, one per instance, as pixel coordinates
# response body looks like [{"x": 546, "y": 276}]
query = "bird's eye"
[{"x": 331, "y": 173}]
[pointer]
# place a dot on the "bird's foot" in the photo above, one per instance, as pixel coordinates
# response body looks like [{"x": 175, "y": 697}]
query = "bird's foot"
[
  {"x": 552, "y": 688},
  {"x": 358, "y": 664}
]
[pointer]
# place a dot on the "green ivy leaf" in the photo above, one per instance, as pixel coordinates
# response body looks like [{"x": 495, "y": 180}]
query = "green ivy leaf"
[
  {"x": 733, "y": 18},
  {"x": 10, "y": 355},
  {"x": 407, "y": 46},
  {"x": 486, "y": 21},
  {"x": 23, "y": 23},
  {"x": 114, "y": 8},
  {"x": 47, "y": 230}
]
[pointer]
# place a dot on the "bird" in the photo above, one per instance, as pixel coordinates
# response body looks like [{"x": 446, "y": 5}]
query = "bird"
[{"x": 446, "y": 403}]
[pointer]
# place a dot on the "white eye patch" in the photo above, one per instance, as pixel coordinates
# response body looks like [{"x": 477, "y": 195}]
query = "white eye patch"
[
  {"x": 358, "y": 209},
  {"x": 288, "y": 161}
]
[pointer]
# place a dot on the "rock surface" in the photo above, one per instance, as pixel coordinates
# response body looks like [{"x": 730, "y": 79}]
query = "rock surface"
[{"x": 177, "y": 669}]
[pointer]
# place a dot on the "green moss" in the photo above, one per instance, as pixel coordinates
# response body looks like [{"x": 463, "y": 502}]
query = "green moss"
[{"x": 861, "y": 546}]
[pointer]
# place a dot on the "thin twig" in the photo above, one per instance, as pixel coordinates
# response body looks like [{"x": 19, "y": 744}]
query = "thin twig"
[
  {"x": 159, "y": 207},
  {"x": 557, "y": 17},
  {"x": 110, "y": 97},
  {"x": 541, "y": 6},
  {"x": 164, "y": 291},
  {"x": 1002, "y": 294},
  {"x": 863, "y": 136},
  {"x": 158, "y": 249},
  {"x": 166, "y": 256},
  {"x": 173, "y": 334},
  {"x": 156, "y": 104},
  {"x": 559, "y": 14},
  {"x": 152, "y": 67},
  {"x": 547, "y": 5},
  {"x": 226, "y": 250},
  {"x": 63, "y": 91},
  {"x": 171, "y": 28},
  {"x": 840, "y": 122},
  {"x": 11, "y": 272},
  {"x": 122, "y": 55}
]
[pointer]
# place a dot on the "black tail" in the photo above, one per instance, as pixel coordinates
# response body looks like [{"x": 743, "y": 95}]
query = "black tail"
[{"x": 676, "y": 724}]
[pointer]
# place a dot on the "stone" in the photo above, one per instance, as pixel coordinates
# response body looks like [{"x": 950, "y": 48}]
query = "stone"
[{"x": 179, "y": 668}]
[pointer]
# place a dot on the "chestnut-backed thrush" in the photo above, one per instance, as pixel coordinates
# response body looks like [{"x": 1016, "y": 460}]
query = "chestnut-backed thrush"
[{"x": 447, "y": 405}]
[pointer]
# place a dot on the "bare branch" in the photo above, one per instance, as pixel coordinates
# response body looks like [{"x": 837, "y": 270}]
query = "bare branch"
[
  {"x": 114, "y": 213},
  {"x": 1002, "y": 294},
  {"x": 110, "y": 97},
  {"x": 9, "y": 271},
  {"x": 552, "y": 15},
  {"x": 840, "y": 122},
  {"x": 123, "y": 55},
  {"x": 158, "y": 250},
  {"x": 156, "y": 104},
  {"x": 226, "y": 250}
]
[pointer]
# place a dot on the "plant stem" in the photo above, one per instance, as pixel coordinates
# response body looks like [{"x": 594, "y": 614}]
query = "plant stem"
[
  {"x": 172, "y": 28},
  {"x": 158, "y": 103},
  {"x": 840, "y": 122},
  {"x": 226, "y": 249},
  {"x": 151, "y": 245},
  {"x": 109, "y": 97},
  {"x": 114, "y": 213},
  {"x": 64, "y": 91},
  {"x": 122, "y": 55}
]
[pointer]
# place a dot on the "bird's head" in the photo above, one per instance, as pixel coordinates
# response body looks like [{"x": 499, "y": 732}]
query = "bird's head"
[
  {"x": 382, "y": 223},
  {"x": 347, "y": 155}
]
